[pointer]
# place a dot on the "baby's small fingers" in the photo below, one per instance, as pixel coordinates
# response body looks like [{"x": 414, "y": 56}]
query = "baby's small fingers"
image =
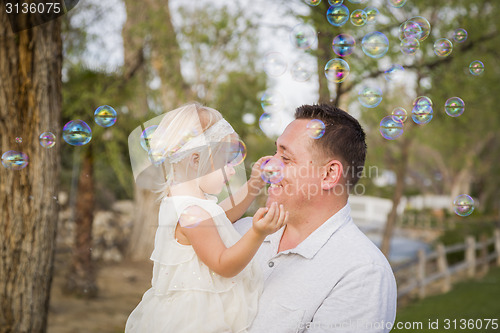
[{"x": 281, "y": 217}]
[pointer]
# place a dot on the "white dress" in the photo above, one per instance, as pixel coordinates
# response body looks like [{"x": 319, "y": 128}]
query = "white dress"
[{"x": 186, "y": 296}]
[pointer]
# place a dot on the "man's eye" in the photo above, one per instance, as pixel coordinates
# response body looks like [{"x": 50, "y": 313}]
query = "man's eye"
[{"x": 285, "y": 159}]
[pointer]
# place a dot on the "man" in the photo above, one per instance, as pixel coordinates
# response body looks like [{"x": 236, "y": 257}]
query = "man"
[{"x": 321, "y": 273}]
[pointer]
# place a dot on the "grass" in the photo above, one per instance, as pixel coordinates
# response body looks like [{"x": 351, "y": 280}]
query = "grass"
[{"x": 467, "y": 305}]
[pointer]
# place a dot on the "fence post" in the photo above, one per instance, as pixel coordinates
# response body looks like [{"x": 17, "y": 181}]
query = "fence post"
[
  {"x": 442, "y": 263},
  {"x": 470, "y": 256},
  {"x": 484, "y": 255},
  {"x": 497, "y": 245},
  {"x": 421, "y": 273}
]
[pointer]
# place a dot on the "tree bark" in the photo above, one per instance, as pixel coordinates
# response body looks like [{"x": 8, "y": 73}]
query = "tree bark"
[{"x": 30, "y": 104}]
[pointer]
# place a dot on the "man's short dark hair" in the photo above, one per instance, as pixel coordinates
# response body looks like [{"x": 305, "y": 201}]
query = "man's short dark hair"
[{"x": 344, "y": 138}]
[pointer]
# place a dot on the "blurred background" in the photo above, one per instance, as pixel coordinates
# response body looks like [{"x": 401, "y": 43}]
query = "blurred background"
[{"x": 420, "y": 76}]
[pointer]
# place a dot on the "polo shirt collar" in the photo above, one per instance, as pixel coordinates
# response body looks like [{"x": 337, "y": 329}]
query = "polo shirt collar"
[{"x": 315, "y": 241}]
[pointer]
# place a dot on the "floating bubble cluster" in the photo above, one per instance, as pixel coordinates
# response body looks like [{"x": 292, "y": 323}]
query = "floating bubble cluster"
[
  {"x": 454, "y": 106},
  {"x": 47, "y": 139},
  {"x": 390, "y": 129},
  {"x": 272, "y": 102},
  {"x": 14, "y": 160},
  {"x": 463, "y": 205},
  {"x": 146, "y": 135},
  {"x": 370, "y": 97},
  {"x": 337, "y": 15},
  {"x": 343, "y": 45},
  {"x": 303, "y": 36},
  {"x": 358, "y": 17},
  {"x": 375, "y": 44},
  {"x": 396, "y": 3},
  {"x": 460, "y": 35},
  {"x": 393, "y": 71},
  {"x": 105, "y": 116},
  {"x": 443, "y": 47},
  {"x": 422, "y": 111},
  {"x": 315, "y": 128},
  {"x": 476, "y": 67},
  {"x": 275, "y": 64},
  {"x": 399, "y": 114},
  {"x": 301, "y": 71},
  {"x": 77, "y": 133},
  {"x": 272, "y": 171},
  {"x": 337, "y": 70},
  {"x": 410, "y": 45},
  {"x": 371, "y": 14}
]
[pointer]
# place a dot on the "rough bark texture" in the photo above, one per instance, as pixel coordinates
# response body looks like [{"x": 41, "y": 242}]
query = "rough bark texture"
[{"x": 30, "y": 103}]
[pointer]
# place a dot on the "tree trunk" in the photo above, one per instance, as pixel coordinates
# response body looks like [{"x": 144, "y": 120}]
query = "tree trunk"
[
  {"x": 81, "y": 278},
  {"x": 30, "y": 104}
]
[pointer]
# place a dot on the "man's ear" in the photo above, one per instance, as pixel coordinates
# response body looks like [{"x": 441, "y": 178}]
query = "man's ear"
[{"x": 331, "y": 175}]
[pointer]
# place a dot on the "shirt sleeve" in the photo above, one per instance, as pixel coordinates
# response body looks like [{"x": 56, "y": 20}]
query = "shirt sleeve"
[{"x": 364, "y": 300}]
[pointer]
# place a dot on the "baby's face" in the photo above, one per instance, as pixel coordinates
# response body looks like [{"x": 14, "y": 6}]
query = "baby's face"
[{"x": 212, "y": 183}]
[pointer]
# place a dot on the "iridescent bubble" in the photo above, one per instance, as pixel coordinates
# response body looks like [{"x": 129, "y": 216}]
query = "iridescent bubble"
[
  {"x": 370, "y": 97},
  {"x": 399, "y": 114},
  {"x": 77, "y": 133},
  {"x": 337, "y": 70},
  {"x": 47, "y": 139},
  {"x": 303, "y": 36},
  {"x": 393, "y": 72},
  {"x": 424, "y": 25},
  {"x": 343, "y": 45},
  {"x": 454, "y": 106},
  {"x": 315, "y": 128},
  {"x": 410, "y": 46},
  {"x": 275, "y": 64},
  {"x": 19, "y": 140},
  {"x": 272, "y": 171},
  {"x": 371, "y": 14},
  {"x": 105, "y": 116},
  {"x": 14, "y": 160},
  {"x": 146, "y": 137},
  {"x": 157, "y": 157},
  {"x": 301, "y": 71},
  {"x": 422, "y": 111},
  {"x": 396, "y": 3},
  {"x": 312, "y": 3},
  {"x": 237, "y": 153},
  {"x": 375, "y": 44},
  {"x": 358, "y": 17},
  {"x": 476, "y": 67},
  {"x": 443, "y": 47},
  {"x": 422, "y": 101},
  {"x": 463, "y": 205},
  {"x": 272, "y": 102},
  {"x": 335, "y": 2},
  {"x": 337, "y": 15},
  {"x": 460, "y": 35},
  {"x": 411, "y": 29},
  {"x": 390, "y": 129},
  {"x": 269, "y": 124}
]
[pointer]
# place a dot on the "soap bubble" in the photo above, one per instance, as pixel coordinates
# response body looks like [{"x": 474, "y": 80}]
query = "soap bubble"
[
  {"x": 335, "y": 2},
  {"x": 371, "y": 14},
  {"x": 443, "y": 47},
  {"x": 411, "y": 29},
  {"x": 343, "y": 45},
  {"x": 312, "y": 3},
  {"x": 425, "y": 26},
  {"x": 315, "y": 128},
  {"x": 303, "y": 36},
  {"x": 463, "y": 205},
  {"x": 399, "y": 114},
  {"x": 337, "y": 15},
  {"x": 269, "y": 124},
  {"x": 358, "y": 17},
  {"x": 47, "y": 139},
  {"x": 301, "y": 71},
  {"x": 476, "y": 67},
  {"x": 393, "y": 72},
  {"x": 375, "y": 44},
  {"x": 237, "y": 152},
  {"x": 410, "y": 46},
  {"x": 454, "y": 106},
  {"x": 272, "y": 102},
  {"x": 370, "y": 97},
  {"x": 272, "y": 171},
  {"x": 105, "y": 116},
  {"x": 396, "y": 3},
  {"x": 390, "y": 129},
  {"x": 422, "y": 111},
  {"x": 275, "y": 64},
  {"x": 77, "y": 133},
  {"x": 14, "y": 160},
  {"x": 337, "y": 70},
  {"x": 146, "y": 136},
  {"x": 460, "y": 35}
]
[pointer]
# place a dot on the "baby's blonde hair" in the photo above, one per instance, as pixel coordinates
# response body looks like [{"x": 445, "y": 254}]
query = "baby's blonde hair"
[{"x": 175, "y": 129}]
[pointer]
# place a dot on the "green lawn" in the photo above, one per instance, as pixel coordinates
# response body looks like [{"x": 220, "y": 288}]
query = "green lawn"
[{"x": 463, "y": 309}]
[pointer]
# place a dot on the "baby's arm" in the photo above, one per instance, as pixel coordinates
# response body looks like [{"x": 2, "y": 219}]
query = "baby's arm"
[
  {"x": 209, "y": 247},
  {"x": 245, "y": 195}
]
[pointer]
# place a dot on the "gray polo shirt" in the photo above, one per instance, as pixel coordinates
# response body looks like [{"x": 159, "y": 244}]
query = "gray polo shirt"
[{"x": 336, "y": 280}]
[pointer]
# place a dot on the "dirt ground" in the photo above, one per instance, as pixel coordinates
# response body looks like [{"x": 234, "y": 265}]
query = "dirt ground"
[{"x": 121, "y": 287}]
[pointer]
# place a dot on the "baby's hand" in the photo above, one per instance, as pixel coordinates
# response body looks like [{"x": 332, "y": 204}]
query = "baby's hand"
[
  {"x": 255, "y": 177},
  {"x": 272, "y": 221}
]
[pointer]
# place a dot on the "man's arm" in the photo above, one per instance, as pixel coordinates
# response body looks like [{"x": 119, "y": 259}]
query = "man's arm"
[{"x": 364, "y": 300}]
